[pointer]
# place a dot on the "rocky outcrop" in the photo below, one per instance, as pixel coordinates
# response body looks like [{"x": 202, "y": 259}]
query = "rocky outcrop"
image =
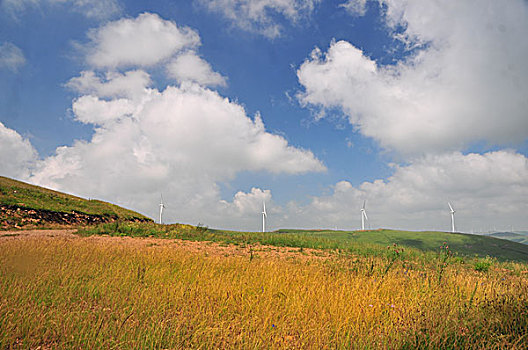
[{"x": 12, "y": 216}]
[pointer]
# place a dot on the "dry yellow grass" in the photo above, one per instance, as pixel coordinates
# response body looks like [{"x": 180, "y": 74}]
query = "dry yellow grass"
[{"x": 70, "y": 292}]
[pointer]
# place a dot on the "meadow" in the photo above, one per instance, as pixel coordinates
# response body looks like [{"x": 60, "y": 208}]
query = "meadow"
[{"x": 120, "y": 292}]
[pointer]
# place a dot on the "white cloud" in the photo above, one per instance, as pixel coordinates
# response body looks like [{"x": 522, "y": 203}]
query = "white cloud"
[
  {"x": 244, "y": 212},
  {"x": 190, "y": 67},
  {"x": 131, "y": 84},
  {"x": 96, "y": 9},
  {"x": 11, "y": 57},
  {"x": 355, "y": 7},
  {"x": 89, "y": 109},
  {"x": 143, "y": 41},
  {"x": 465, "y": 83},
  {"x": 17, "y": 155},
  {"x": 260, "y": 16},
  {"x": 182, "y": 141},
  {"x": 487, "y": 191},
  {"x": 249, "y": 203}
]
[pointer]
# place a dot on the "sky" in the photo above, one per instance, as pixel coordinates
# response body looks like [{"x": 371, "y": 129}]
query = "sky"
[{"x": 311, "y": 106}]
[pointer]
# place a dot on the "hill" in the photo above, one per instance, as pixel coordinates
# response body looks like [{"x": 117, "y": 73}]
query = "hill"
[
  {"x": 460, "y": 243},
  {"x": 520, "y": 237},
  {"x": 25, "y": 205}
]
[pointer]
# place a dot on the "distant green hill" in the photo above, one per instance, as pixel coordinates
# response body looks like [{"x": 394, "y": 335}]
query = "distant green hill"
[
  {"x": 520, "y": 237},
  {"x": 23, "y": 204},
  {"x": 460, "y": 243}
]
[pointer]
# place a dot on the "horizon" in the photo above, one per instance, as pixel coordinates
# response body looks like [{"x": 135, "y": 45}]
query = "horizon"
[{"x": 312, "y": 106}]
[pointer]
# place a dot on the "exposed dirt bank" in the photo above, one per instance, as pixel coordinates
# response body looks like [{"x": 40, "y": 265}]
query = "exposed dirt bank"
[{"x": 15, "y": 217}]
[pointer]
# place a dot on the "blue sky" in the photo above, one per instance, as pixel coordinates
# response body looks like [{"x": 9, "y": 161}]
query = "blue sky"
[{"x": 312, "y": 106}]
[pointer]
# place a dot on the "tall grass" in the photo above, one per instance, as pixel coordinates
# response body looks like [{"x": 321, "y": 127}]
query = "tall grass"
[{"x": 103, "y": 293}]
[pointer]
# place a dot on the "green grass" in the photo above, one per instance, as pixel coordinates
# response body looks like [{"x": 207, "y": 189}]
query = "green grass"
[
  {"x": 21, "y": 194},
  {"x": 365, "y": 243}
]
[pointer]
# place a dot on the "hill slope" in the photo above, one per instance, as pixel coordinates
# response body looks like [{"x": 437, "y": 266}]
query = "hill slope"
[
  {"x": 520, "y": 237},
  {"x": 25, "y": 205},
  {"x": 460, "y": 243}
]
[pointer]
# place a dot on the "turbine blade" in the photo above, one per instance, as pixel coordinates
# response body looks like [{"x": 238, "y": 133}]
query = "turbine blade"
[
  {"x": 365, "y": 213},
  {"x": 364, "y": 202},
  {"x": 450, "y": 207}
]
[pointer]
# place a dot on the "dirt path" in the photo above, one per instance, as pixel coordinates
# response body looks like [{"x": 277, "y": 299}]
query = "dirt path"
[{"x": 198, "y": 247}]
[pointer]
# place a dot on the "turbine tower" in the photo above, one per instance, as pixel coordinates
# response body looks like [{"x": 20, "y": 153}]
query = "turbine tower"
[
  {"x": 452, "y": 217},
  {"x": 363, "y": 216},
  {"x": 264, "y": 216},
  {"x": 161, "y": 205}
]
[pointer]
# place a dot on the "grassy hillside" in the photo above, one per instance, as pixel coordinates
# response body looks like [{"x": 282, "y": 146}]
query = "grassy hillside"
[
  {"x": 17, "y": 194},
  {"x": 461, "y": 243}
]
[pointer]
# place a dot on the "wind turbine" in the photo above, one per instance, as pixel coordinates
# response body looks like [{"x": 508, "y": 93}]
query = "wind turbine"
[
  {"x": 161, "y": 205},
  {"x": 452, "y": 217},
  {"x": 363, "y": 216},
  {"x": 264, "y": 216}
]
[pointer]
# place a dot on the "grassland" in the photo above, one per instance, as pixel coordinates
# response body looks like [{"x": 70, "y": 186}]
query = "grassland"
[
  {"x": 365, "y": 243},
  {"x": 112, "y": 292}
]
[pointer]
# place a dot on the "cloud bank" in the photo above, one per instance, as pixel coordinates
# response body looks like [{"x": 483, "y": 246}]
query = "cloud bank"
[
  {"x": 465, "y": 81},
  {"x": 183, "y": 141},
  {"x": 488, "y": 192},
  {"x": 17, "y": 155}
]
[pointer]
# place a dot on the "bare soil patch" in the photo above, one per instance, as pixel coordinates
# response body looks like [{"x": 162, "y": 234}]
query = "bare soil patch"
[{"x": 197, "y": 247}]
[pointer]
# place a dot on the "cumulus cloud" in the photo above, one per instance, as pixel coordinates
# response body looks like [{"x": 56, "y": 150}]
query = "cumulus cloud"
[
  {"x": 183, "y": 141},
  {"x": 488, "y": 191},
  {"x": 245, "y": 210},
  {"x": 190, "y": 67},
  {"x": 260, "y": 16},
  {"x": 11, "y": 57},
  {"x": 96, "y": 9},
  {"x": 464, "y": 82},
  {"x": 249, "y": 203},
  {"x": 89, "y": 109},
  {"x": 142, "y": 41},
  {"x": 17, "y": 155},
  {"x": 131, "y": 84}
]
